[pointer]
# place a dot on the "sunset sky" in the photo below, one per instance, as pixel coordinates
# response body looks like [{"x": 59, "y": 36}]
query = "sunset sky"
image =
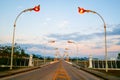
[{"x": 59, "y": 20}]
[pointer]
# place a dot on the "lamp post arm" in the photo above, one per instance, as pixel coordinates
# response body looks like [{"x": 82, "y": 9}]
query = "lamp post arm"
[
  {"x": 100, "y": 17},
  {"x": 30, "y": 9}
]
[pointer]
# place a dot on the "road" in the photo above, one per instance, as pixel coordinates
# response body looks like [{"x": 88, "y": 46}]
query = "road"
[
  {"x": 54, "y": 72},
  {"x": 76, "y": 74}
]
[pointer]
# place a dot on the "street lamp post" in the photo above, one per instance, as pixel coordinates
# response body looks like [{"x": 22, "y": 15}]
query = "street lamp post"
[
  {"x": 44, "y": 55},
  {"x": 76, "y": 49},
  {"x": 81, "y": 11},
  {"x": 56, "y": 54},
  {"x": 36, "y": 8},
  {"x": 52, "y": 41},
  {"x": 66, "y": 54}
]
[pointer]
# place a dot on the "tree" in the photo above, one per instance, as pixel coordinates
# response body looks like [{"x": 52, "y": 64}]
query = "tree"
[
  {"x": 5, "y": 51},
  {"x": 118, "y": 57}
]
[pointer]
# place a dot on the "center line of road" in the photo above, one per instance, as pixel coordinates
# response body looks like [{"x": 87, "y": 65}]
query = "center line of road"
[{"x": 61, "y": 73}]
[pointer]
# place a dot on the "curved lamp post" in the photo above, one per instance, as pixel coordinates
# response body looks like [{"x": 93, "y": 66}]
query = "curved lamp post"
[
  {"x": 52, "y": 41},
  {"x": 81, "y": 11},
  {"x": 66, "y": 54},
  {"x": 36, "y": 9},
  {"x": 76, "y": 48}
]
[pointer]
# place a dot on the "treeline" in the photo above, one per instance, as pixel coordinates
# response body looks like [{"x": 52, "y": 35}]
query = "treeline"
[
  {"x": 5, "y": 52},
  {"x": 118, "y": 57}
]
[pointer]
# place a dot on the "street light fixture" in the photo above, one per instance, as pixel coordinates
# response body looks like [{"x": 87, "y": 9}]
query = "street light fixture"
[
  {"x": 52, "y": 41},
  {"x": 81, "y": 11},
  {"x": 36, "y": 9}
]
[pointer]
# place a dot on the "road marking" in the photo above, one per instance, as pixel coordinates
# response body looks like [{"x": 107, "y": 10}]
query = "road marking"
[{"x": 61, "y": 73}]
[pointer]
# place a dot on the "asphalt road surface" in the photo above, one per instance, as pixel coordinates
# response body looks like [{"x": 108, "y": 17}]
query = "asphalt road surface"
[
  {"x": 76, "y": 74},
  {"x": 48, "y": 73}
]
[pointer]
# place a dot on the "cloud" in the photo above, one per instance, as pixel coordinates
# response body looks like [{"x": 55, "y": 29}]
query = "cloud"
[
  {"x": 113, "y": 53},
  {"x": 21, "y": 40},
  {"x": 33, "y": 49},
  {"x": 48, "y": 19},
  {"x": 115, "y": 30},
  {"x": 77, "y": 36},
  {"x": 63, "y": 24},
  {"x": 41, "y": 51},
  {"x": 19, "y": 7},
  {"x": 89, "y": 43},
  {"x": 97, "y": 47},
  {"x": 118, "y": 43},
  {"x": 32, "y": 39},
  {"x": 72, "y": 36}
]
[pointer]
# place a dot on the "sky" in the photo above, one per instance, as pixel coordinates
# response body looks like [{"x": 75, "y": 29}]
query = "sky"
[{"x": 59, "y": 20}]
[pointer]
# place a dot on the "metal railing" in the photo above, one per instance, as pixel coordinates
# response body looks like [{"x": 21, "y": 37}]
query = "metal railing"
[
  {"x": 17, "y": 61},
  {"x": 20, "y": 61},
  {"x": 100, "y": 64},
  {"x": 112, "y": 64}
]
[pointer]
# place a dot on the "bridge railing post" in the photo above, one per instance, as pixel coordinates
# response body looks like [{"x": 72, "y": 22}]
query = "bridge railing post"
[
  {"x": 31, "y": 60},
  {"x": 90, "y": 61}
]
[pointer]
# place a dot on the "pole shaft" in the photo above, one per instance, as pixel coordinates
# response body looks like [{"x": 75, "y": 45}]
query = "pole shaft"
[
  {"x": 106, "y": 51},
  {"x": 11, "y": 64},
  {"x": 77, "y": 52},
  {"x": 44, "y": 56}
]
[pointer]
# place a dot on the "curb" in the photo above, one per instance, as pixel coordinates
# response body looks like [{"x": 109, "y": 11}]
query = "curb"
[{"x": 9, "y": 73}]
